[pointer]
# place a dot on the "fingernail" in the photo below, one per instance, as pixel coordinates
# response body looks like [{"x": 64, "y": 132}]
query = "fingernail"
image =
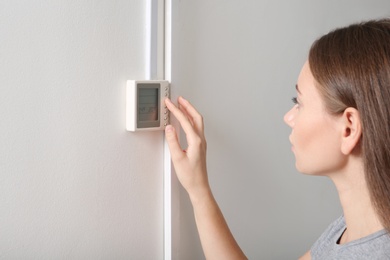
[
  {"x": 183, "y": 100},
  {"x": 168, "y": 128}
]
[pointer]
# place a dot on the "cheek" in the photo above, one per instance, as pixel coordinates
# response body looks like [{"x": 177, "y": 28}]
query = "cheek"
[{"x": 316, "y": 148}]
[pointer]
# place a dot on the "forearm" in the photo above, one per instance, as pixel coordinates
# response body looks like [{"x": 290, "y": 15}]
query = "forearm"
[{"x": 216, "y": 239}]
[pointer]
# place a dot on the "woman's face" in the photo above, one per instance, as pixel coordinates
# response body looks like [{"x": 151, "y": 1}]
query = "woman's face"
[{"x": 316, "y": 135}]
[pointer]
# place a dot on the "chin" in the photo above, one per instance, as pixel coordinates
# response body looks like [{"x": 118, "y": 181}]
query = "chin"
[
  {"x": 312, "y": 172},
  {"x": 308, "y": 171}
]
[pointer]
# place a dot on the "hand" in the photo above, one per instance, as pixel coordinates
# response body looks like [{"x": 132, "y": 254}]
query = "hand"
[{"x": 190, "y": 164}]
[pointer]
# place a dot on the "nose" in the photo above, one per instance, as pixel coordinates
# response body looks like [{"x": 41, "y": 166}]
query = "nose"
[{"x": 289, "y": 117}]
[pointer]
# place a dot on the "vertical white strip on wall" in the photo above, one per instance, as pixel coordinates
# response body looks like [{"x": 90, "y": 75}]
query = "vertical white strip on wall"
[
  {"x": 167, "y": 155},
  {"x": 170, "y": 250},
  {"x": 168, "y": 39},
  {"x": 158, "y": 66}
]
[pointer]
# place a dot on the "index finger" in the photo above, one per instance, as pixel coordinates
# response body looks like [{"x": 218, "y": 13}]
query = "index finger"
[
  {"x": 183, "y": 120},
  {"x": 190, "y": 111}
]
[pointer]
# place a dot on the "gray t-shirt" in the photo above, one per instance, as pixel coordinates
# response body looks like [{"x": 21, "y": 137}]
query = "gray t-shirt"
[{"x": 374, "y": 247}]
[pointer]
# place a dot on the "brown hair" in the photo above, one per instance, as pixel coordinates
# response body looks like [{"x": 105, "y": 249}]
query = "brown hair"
[{"x": 352, "y": 68}]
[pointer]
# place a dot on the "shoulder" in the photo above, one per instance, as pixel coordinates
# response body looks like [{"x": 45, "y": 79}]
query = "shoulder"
[
  {"x": 333, "y": 232},
  {"x": 374, "y": 247},
  {"x": 327, "y": 242}
]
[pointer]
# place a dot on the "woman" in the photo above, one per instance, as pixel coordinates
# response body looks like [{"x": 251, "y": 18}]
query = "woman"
[{"x": 340, "y": 129}]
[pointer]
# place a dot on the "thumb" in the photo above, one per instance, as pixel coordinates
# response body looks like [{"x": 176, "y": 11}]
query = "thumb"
[{"x": 173, "y": 142}]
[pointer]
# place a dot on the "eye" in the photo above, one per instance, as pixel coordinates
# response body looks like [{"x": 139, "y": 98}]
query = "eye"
[{"x": 295, "y": 100}]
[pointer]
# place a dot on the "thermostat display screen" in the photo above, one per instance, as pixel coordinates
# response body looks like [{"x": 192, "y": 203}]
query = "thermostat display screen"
[
  {"x": 148, "y": 104},
  {"x": 148, "y": 114}
]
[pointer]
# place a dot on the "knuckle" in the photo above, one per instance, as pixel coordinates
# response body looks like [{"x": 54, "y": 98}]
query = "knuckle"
[
  {"x": 200, "y": 118},
  {"x": 177, "y": 158},
  {"x": 197, "y": 141}
]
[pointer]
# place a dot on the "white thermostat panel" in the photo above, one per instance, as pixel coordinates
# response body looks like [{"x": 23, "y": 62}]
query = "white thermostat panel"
[{"x": 145, "y": 108}]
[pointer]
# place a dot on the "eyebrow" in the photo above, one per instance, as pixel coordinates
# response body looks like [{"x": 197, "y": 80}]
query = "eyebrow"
[{"x": 296, "y": 86}]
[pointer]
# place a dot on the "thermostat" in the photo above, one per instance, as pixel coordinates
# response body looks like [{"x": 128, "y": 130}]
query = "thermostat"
[{"x": 145, "y": 108}]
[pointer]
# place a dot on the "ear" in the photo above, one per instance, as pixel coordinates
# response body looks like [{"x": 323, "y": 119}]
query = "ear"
[{"x": 352, "y": 130}]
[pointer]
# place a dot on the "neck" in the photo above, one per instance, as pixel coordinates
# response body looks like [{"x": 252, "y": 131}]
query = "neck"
[{"x": 360, "y": 216}]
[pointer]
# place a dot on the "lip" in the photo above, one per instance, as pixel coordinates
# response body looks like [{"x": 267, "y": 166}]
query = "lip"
[{"x": 292, "y": 146}]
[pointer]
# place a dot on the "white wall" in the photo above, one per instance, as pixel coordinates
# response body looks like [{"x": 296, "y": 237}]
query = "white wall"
[
  {"x": 73, "y": 183},
  {"x": 238, "y": 62}
]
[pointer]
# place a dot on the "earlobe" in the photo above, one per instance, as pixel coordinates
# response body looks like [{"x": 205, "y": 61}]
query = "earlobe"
[{"x": 352, "y": 130}]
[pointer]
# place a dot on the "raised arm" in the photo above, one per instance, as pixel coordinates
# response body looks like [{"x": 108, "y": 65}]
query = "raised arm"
[{"x": 190, "y": 166}]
